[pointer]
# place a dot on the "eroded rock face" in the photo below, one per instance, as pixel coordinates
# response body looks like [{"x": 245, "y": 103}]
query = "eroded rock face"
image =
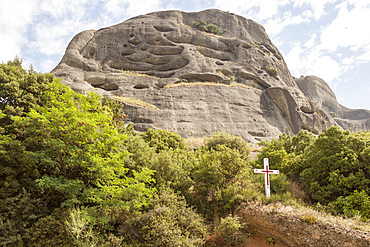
[
  {"x": 319, "y": 92},
  {"x": 167, "y": 46}
]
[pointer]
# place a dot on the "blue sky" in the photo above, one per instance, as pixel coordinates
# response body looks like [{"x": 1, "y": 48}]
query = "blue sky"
[{"x": 326, "y": 38}]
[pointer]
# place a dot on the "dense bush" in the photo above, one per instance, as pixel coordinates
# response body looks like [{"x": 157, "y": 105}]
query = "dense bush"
[
  {"x": 336, "y": 165},
  {"x": 330, "y": 166},
  {"x": 50, "y": 231},
  {"x": 168, "y": 221},
  {"x": 20, "y": 207},
  {"x": 220, "y": 176},
  {"x": 219, "y": 139},
  {"x": 285, "y": 153},
  {"x": 69, "y": 167},
  {"x": 230, "y": 232},
  {"x": 64, "y": 149},
  {"x": 163, "y": 139}
]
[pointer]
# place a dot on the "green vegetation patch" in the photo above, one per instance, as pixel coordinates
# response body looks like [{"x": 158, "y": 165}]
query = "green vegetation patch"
[
  {"x": 209, "y": 28},
  {"x": 73, "y": 175},
  {"x": 272, "y": 71}
]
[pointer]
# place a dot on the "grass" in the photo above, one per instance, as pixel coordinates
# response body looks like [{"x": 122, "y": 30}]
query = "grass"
[
  {"x": 310, "y": 215},
  {"x": 135, "y": 102},
  {"x": 195, "y": 142},
  {"x": 137, "y": 74},
  {"x": 207, "y": 83}
]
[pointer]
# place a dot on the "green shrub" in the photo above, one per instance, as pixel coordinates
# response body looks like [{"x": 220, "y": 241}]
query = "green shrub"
[
  {"x": 285, "y": 153},
  {"x": 200, "y": 25},
  {"x": 228, "y": 233},
  {"x": 336, "y": 165},
  {"x": 356, "y": 204},
  {"x": 219, "y": 181},
  {"x": 17, "y": 214},
  {"x": 49, "y": 231},
  {"x": 173, "y": 168},
  {"x": 64, "y": 147},
  {"x": 168, "y": 222},
  {"x": 333, "y": 114},
  {"x": 209, "y": 28},
  {"x": 20, "y": 90},
  {"x": 163, "y": 139},
  {"x": 270, "y": 241},
  {"x": 219, "y": 139}
]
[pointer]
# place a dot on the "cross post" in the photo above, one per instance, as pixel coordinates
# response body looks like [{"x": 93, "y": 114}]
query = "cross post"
[{"x": 266, "y": 171}]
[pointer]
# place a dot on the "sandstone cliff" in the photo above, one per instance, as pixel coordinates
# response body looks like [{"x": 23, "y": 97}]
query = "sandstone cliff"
[{"x": 161, "y": 59}]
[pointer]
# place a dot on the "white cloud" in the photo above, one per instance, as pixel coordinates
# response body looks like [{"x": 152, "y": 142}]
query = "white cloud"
[
  {"x": 317, "y": 6},
  {"x": 294, "y": 60},
  {"x": 326, "y": 67},
  {"x": 310, "y": 60},
  {"x": 336, "y": 48},
  {"x": 15, "y": 16},
  {"x": 364, "y": 57},
  {"x": 347, "y": 30},
  {"x": 47, "y": 64},
  {"x": 252, "y": 9},
  {"x": 348, "y": 60},
  {"x": 129, "y": 8},
  {"x": 359, "y": 3},
  {"x": 278, "y": 24}
]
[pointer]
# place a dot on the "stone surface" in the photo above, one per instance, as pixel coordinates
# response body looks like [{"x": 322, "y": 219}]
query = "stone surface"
[
  {"x": 166, "y": 48},
  {"x": 319, "y": 92}
]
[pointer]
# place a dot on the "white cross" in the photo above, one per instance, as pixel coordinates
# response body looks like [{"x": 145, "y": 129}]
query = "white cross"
[{"x": 266, "y": 171}]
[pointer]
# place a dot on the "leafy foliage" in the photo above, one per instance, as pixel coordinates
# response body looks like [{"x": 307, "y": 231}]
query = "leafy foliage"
[
  {"x": 19, "y": 91},
  {"x": 356, "y": 204},
  {"x": 285, "y": 153},
  {"x": 167, "y": 222},
  {"x": 63, "y": 147},
  {"x": 228, "y": 233},
  {"x": 218, "y": 176},
  {"x": 20, "y": 205},
  {"x": 163, "y": 139},
  {"x": 337, "y": 164},
  {"x": 70, "y": 167},
  {"x": 330, "y": 167},
  {"x": 50, "y": 231},
  {"x": 218, "y": 139}
]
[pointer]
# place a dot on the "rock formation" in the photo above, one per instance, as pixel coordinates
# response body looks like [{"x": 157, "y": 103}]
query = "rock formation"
[
  {"x": 195, "y": 82},
  {"x": 319, "y": 92}
]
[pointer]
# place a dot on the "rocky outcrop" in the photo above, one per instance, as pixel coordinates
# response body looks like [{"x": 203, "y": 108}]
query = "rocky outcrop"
[
  {"x": 319, "y": 92},
  {"x": 252, "y": 93}
]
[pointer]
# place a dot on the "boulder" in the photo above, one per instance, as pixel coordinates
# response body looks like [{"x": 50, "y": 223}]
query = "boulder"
[{"x": 197, "y": 82}]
